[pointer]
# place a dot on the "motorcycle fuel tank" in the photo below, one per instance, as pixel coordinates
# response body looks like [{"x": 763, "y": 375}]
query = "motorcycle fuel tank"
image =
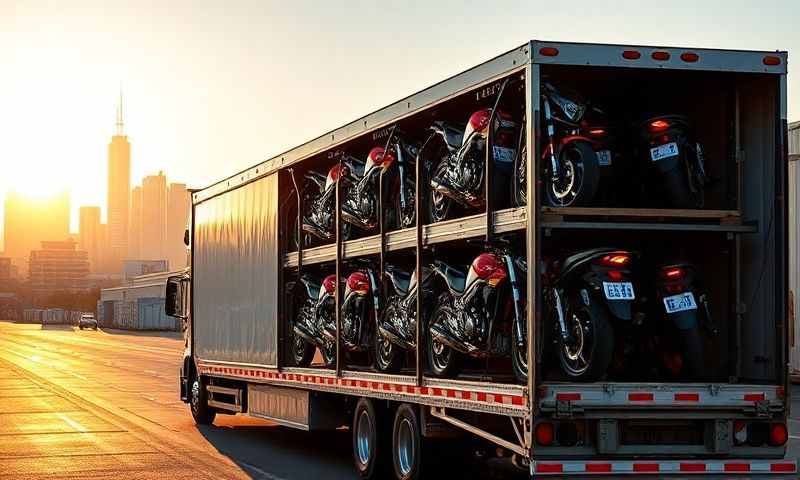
[{"x": 489, "y": 267}]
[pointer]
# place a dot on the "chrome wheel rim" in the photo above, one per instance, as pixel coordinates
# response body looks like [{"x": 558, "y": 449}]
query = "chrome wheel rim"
[
  {"x": 364, "y": 438},
  {"x": 406, "y": 448},
  {"x": 195, "y": 395}
]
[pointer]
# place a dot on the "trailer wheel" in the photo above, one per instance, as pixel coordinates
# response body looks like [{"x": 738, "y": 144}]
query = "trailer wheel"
[
  {"x": 198, "y": 402},
  {"x": 407, "y": 444},
  {"x": 371, "y": 440}
]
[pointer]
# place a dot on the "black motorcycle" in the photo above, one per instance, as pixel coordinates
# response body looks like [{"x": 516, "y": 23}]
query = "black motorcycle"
[
  {"x": 360, "y": 206},
  {"x": 679, "y": 340},
  {"x": 397, "y": 328},
  {"x": 457, "y": 166},
  {"x": 675, "y": 161},
  {"x": 314, "y": 313},
  {"x": 582, "y": 294},
  {"x": 576, "y": 148},
  {"x": 470, "y": 316},
  {"x": 319, "y": 199},
  {"x": 360, "y": 308}
]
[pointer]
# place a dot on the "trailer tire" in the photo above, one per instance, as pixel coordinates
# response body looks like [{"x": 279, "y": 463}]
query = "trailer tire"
[
  {"x": 408, "y": 447},
  {"x": 371, "y": 440},
  {"x": 198, "y": 402}
]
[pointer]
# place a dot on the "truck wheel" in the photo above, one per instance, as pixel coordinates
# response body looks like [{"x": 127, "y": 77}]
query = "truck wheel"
[
  {"x": 201, "y": 412},
  {"x": 371, "y": 437},
  {"x": 407, "y": 444}
]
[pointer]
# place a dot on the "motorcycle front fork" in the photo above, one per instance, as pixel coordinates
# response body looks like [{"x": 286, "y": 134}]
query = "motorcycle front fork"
[
  {"x": 562, "y": 321},
  {"x": 555, "y": 167}
]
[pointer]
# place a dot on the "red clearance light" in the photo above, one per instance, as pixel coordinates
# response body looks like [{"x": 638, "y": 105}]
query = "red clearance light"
[
  {"x": 631, "y": 55},
  {"x": 548, "y": 51},
  {"x": 661, "y": 56},
  {"x": 778, "y": 434},
  {"x": 658, "y": 126},
  {"x": 772, "y": 60},
  {"x": 780, "y": 392},
  {"x": 690, "y": 57},
  {"x": 544, "y": 433}
]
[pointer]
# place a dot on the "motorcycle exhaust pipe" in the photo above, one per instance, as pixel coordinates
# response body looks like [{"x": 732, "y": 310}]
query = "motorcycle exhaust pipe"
[
  {"x": 395, "y": 338},
  {"x": 440, "y": 335},
  {"x": 351, "y": 218},
  {"x": 463, "y": 198},
  {"x": 315, "y": 230}
]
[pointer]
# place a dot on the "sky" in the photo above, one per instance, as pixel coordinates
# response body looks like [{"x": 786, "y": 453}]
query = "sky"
[{"x": 211, "y": 88}]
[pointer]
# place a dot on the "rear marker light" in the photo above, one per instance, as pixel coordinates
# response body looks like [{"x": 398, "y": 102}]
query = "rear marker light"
[
  {"x": 783, "y": 467},
  {"x": 687, "y": 397},
  {"x": 661, "y": 56},
  {"x": 772, "y": 60},
  {"x": 631, "y": 55},
  {"x": 737, "y": 467},
  {"x": 690, "y": 57},
  {"x": 598, "y": 467},
  {"x": 640, "y": 397},
  {"x": 778, "y": 434},
  {"x": 693, "y": 467},
  {"x": 544, "y": 434},
  {"x": 645, "y": 467},
  {"x": 548, "y": 51},
  {"x": 549, "y": 468},
  {"x": 754, "y": 397},
  {"x": 568, "y": 397}
]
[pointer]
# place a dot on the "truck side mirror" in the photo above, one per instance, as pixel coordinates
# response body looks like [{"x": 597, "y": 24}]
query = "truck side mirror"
[
  {"x": 186, "y": 237},
  {"x": 173, "y": 304}
]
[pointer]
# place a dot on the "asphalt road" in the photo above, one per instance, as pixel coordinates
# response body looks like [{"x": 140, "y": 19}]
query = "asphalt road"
[{"x": 78, "y": 404}]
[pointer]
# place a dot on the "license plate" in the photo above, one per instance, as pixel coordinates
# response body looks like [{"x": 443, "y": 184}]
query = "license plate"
[
  {"x": 680, "y": 303},
  {"x": 618, "y": 290},
  {"x": 503, "y": 154},
  {"x": 604, "y": 157},
  {"x": 664, "y": 151}
]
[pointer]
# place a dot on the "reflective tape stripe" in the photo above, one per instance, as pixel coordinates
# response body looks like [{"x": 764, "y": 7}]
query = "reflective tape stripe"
[{"x": 666, "y": 467}]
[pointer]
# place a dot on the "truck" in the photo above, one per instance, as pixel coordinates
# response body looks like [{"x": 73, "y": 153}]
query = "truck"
[{"x": 248, "y": 253}]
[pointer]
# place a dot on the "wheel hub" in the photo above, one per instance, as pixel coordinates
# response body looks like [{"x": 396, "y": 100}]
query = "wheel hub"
[
  {"x": 363, "y": 438},
  {"x": 405, "y": 447}
]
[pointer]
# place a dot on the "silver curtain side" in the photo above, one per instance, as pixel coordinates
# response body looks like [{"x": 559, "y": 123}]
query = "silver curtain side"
[{"x": 236, "y": 273}]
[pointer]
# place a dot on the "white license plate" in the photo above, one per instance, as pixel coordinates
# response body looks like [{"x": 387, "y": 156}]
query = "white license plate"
[
  {"x": 664, "y": 151},
  {"x": 618, "y": 290},
  {"x": 503, "y": 154},
  {"x": 680, "y": 303},
  {"x": 604, "y": 157}
]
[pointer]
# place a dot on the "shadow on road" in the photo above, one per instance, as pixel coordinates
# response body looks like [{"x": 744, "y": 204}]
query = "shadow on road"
[
  {"x": 143, "y": 333},
  {"x": 54, "y": 326}
]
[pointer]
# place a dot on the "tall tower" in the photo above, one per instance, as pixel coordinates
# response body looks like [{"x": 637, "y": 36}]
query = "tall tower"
[
  {"x": 119, "y": 193},
  {"x": 154, "y": 217},
  {"x": 89, "y": 235}
]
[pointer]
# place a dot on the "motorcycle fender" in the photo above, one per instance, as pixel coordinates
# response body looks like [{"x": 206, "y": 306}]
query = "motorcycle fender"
[
  {"x": 667, "y": 164},
  {"x": 575, "y": 138},
  {"x": 620, "y": 308},
  {"x": 685, "y": 320}
]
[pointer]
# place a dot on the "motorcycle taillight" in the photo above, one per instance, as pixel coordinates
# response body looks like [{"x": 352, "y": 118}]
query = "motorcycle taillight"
[
  {"x": 615, "y": 275},
  {"x": 658, "y": 126},
  {"x": 673, "y": 273},
  {"x": 614, "y": 260}
]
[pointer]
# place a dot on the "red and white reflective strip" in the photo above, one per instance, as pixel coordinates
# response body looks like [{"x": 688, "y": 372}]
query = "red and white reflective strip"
[
  {"x": 641, "y": 396},
  {"x": 504, "y": 399},
  {"x": 667, "y": 467}
]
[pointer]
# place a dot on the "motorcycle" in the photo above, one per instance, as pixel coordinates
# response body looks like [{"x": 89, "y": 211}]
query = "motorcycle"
[
  {"x": 397, "y": 328},
  {"x": 582, "y": 295},
  {"x": 469, "y": 315},
  {"x": 360, "y": 207},
  {"x": 457, "y": 168},
  {"x": 576, "y": 149},
  {"x": 676, "y": 161},
  {"x": 680, "y": 308},
  {"x": 313, "y": 315},
  {"x": 319, "y": 202},
  {"x": 360, "y": 308}
]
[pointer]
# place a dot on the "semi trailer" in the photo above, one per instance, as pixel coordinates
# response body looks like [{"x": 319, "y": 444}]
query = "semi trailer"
[{"x": 249, "y": 252}]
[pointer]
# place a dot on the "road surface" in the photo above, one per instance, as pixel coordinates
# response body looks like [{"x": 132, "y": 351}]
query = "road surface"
[{"x": 105, "y": 404}]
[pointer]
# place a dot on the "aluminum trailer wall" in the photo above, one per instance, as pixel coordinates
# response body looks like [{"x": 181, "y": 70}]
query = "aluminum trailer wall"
[{"x": 794, "y": 242}]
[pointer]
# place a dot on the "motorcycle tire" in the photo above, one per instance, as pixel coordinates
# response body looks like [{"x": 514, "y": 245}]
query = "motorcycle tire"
[
  {"x": 519, "y": 362},
  {"x": 676, "y": 189},
  {"x": 581, "y": 156},
  {"x": 443, "y": 361},
  {"x": 693, "y": 353},
  {"x": 302, "y": 352},
  {"x": 601, "y": 342},
  {"x": 401, "y": 220},
  {"x": 388, "y": 356},
  {"x": 519, "y": 192},
  {"x": 328, "y": 353},
  {"x": 445, "y": 208}
]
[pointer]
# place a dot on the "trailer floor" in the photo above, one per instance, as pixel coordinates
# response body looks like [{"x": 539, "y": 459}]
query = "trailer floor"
[{"x": 76, "y": 404}]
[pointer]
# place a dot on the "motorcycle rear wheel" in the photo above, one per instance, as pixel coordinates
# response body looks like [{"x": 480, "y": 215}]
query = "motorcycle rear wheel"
[
  {"x": 519, "y": 190},
  {"x": 582, "y": 176},
  {"x": 693, "y": 353},
  {"x": 588, "y": 357},
  {"x": 443, "y": 361},
  {"x": 302, "y": 352},
  {"x": 388, "y": 358},
  {"x": 676, "y": 186},
  {"x": 328, "y": 352}
]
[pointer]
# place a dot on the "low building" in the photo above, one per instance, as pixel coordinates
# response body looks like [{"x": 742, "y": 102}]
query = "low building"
[
  {"x": 58, "y": 266},
  {"x": 138, "y": 305}
]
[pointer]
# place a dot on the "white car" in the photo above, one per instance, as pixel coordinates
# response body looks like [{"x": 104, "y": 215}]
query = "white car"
[{"x": 87, "y": 321}]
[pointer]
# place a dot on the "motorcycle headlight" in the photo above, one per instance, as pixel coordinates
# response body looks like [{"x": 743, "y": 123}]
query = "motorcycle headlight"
[{"x": 572, "y": 111}]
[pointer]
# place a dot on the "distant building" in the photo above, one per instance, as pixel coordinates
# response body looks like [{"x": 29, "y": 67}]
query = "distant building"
[
  {"x": 29, "y": 220},
  {"x": 90, "y": 235},
  {"x": 5, "y": 269},
  {"x": 135, "y": 268},
  {"x": 135, "y": 230},
  {"x": 178, "y": 203},
  {"x": 58, "y": 266},
  {"x": 119, "y": 193},
  {"x": 154, "y": 216}
]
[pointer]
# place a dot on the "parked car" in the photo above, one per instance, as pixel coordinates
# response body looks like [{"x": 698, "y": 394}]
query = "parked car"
[{"x": 87, "y": 320}]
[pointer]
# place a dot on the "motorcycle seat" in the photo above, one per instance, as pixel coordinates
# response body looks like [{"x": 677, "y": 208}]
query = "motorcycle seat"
[
  {"x": 455, "y": 278},
  {"x": 452, "y": 136},
  {"x": 312, "y": 286},
  {"x": 577, "y": 258},
  {"x": 400, "y": 279},
  {"x": 316, "y": 177}
]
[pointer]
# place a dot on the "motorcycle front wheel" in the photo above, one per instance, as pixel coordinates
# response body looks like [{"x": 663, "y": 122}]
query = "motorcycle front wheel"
[
  {"x": 519, "y": 362},
  {"x": 586, "y": 357},
  {"x": 438, "y": 206},
  {"x": 579, "y": 178},
  {"x": 328, "y": 352},
  {"x": 443, "y": 361},
  {"x": 387, "y": 355}
]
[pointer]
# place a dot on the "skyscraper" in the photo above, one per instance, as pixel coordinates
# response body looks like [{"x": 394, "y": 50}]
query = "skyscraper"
[
  {"x": 154, "y": 216},
  {"x": 30, "y": 220},
  {"x": 177, "y": 214},
  {"x": 135, "y": 228},
  {"x": 119, "y": 193},
  {"x": 90, "y": 239}
]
